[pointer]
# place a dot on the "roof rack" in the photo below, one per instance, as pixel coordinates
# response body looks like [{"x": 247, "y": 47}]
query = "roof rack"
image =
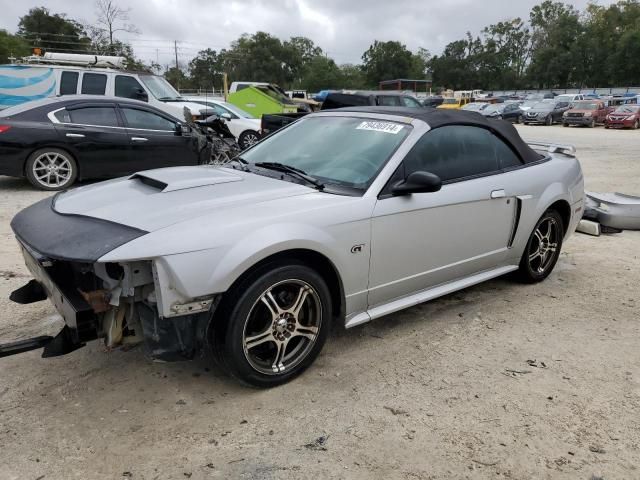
[{"x": 79, "y": 60}]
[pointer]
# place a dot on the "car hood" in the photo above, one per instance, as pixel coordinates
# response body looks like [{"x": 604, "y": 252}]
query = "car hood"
[{"x": 155, "y": 199}]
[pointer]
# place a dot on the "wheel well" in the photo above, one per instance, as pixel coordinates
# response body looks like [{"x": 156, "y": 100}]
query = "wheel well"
[
  {"x": 65, "y": 150},
  {"x": 564, "y": 209},
  {"x": 312, "y": 259}
]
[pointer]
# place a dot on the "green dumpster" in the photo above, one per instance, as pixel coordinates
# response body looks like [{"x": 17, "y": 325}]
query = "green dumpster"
[{"x": 260, "y": 99}]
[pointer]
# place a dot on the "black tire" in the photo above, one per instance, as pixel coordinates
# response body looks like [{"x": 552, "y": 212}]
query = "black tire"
[
  {"x": 44, "y": 160},
  {"x": 565, "y": 124},
  {"x": 519, "y": 119},
  {"x": 530, "y": 270},
  {"x": 606, "y": 126},
  {"x": 592, "y": 123},
  {"x": 636, "y": 124},
  {"x": 242, "y": 306},
  {"x": 548, "y": 121},
  {"x": 248, "y": 138}
]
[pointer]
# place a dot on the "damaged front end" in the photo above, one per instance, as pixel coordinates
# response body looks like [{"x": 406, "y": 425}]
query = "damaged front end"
[{"x": 118, "y": 302}]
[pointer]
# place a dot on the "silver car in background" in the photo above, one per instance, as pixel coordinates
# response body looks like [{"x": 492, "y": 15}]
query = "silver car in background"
[{"x": 340, "y": 218}]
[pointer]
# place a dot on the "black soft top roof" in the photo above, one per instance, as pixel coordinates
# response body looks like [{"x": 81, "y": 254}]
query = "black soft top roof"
[{"x": 436, "y": 117}]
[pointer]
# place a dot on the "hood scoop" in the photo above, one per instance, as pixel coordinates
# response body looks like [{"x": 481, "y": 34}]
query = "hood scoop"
[{"x": 174, "y": 179}]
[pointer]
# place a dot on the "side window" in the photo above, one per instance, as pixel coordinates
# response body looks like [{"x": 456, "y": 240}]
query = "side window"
[
  {"x": 102, "y": 116},
  {"x": 410, "y": 102},
  {"x": 146, "y": 120},
  {"x": 127, "y": 87},
  {"x": 390, "y": 101},
  {"x": 69, "y": 83},
  {"x": 63, "y": 116},
  {"x": 507, "y": 158},
  {"x": 94, "y": 83},
  {"x": 454, "y": 152}
]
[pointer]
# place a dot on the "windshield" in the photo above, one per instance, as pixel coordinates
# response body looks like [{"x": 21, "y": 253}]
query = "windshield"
[
  {"x": 494, "y": 108},
  {"x": 628, "y": 109},
  {"x": 159, "y": 87},
  {"x": 450, "y": 101},
  {"x": 585, "y": 106},
  {"x": 344, "y": 151},
  {"x": 238, "y": 111},
  {"x": 475, "y": 107}
]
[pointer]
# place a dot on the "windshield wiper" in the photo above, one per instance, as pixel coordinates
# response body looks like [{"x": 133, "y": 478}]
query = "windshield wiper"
[{"x": 296, "y": 172}]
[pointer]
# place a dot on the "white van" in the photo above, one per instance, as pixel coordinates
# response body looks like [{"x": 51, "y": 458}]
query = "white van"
[{"x": 57, "y": 74}]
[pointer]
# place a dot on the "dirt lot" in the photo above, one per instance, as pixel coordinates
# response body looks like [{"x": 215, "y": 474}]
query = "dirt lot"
[{"x": 429, "y": 393}]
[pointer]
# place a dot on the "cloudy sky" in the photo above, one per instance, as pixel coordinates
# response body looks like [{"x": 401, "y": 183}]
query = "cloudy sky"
[{"x": 343, "y": 28}]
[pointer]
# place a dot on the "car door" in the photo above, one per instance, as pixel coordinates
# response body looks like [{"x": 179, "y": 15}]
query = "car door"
[
  {"x": 426, "y": 239},
  {"x": 155, "y": 139},
  {"x": 95, "y": 134},
  {"x": 510, "y": 112}
]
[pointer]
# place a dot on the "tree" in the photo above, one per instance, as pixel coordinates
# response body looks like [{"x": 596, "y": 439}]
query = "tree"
[
  {"x": 176, "y": 77},
  {"x": 110, "y": 17},
  {"x": 205, "y": 70},
  {"x": 352, "y": 76},
  {"x": 321, "y": 73},
  {"x": 52, "y": 31},
  {"x": 12, "y": 46},
  {"x": 386, "y": 61}
]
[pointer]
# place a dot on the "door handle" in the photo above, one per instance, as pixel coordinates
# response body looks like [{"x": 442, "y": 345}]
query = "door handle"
[
  {"x": 138, "y": 139},
  {"x": 75, "y": 135},
  {"x": 498, "y": 194}
]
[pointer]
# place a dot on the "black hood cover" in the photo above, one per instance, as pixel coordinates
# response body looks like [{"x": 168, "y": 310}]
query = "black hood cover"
[{"x": 69, "y": 237}]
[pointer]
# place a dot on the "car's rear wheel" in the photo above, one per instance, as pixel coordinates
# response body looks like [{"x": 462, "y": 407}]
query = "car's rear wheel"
[
  {"x": 273, "y": 325},
  {"x": 519, "y": 119},
  {"x": 51, "y": 169},
  {"x": 248, "y": 138},
  {"x": 543, "y": 248}
]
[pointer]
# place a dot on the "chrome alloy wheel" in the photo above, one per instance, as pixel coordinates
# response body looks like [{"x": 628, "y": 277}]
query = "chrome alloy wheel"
[
  {"x": 249, "y": 140},
  {"x": 544, "y": 245},
  {"x": 282, "y": 327},
  {"x": 52, "y": 169}
]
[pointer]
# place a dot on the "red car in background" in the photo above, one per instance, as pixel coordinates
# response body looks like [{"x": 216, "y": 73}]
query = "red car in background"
[{"x": 625, "y": 116}]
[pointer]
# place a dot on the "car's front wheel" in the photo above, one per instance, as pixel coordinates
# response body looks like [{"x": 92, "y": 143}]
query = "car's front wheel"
[
  {"x": 543, "y": 248},
  {"x": 248, "y": 138},
  {"x": 272, "y": 325},
  {"x": 548, "y": 121},
  {"x": 51, "y": 169}
]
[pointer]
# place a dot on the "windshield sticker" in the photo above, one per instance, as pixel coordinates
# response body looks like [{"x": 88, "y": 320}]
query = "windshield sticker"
[{"x": 386, "y": 127}]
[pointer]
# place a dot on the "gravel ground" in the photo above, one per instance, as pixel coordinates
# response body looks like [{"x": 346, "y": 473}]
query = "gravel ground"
[{"x": 497, "y": 381}]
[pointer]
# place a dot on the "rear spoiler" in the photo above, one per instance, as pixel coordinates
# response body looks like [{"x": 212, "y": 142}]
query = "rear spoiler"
[{"x": 568, "y": 150}]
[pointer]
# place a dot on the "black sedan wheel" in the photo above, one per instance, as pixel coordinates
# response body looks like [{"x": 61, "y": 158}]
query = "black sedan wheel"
[
  {"x": 273, "y": 326},
  {"x": 248, "y": 139},
  {"x": 543, "y": 248},
  {"x": 51, "y": 169}
]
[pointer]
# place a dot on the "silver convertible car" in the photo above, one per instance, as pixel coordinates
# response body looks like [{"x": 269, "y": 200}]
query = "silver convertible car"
[{"x": 340, "y": 218}]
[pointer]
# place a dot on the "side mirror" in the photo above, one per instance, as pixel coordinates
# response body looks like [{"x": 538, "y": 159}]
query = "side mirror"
[
  {"x": 142, "y": 95},
  {"x": 226, "y": 116},
  {"x": 182, "y": 129},
  {"x": 417, "y": 182}
]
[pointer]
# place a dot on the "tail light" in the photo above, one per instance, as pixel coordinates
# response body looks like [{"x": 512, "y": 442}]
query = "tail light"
[{"x": 4, "y": 128}]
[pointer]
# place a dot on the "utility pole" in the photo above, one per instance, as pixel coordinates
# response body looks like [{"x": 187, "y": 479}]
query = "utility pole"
[{"x": 175, "y": 48}]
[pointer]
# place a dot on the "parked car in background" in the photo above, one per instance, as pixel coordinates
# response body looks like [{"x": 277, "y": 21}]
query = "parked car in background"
[
  {"x": 55, "y": 142},
  {"x": 59, "y": 74},
  {"x": 506, "y": 111},
  {"x": 453, "y": 103},
  {"x": 585, "y": 112},
  {"x": 546, "y": 112},
  {"x": 244, "y": 126},
  {"x": 569, "y": 97},
  {"x": 475, "y": 106},
  {"x": 344, "y": 217},
  {"x": 625, "y": 116},
  {"x": 432, "y": 101},
  {"x": 346, "y": 98}
]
